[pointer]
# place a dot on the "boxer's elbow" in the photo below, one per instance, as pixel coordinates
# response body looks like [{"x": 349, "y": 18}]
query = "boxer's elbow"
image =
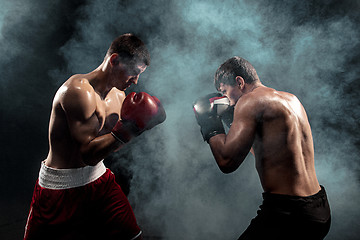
[
  {"x": 229, "y": 165},
  {"x": 226, "y": 166},
  {"x": 226, "y": 170},
  {"x": 88, "y": 156},
  {"x": 91, "y": 162},
  {"x": 88, "y": 159}
]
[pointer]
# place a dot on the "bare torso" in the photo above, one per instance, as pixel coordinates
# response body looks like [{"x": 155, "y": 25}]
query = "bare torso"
[
  {"x": 101, "y": 116},
  {"x": 283, "y": 144}
]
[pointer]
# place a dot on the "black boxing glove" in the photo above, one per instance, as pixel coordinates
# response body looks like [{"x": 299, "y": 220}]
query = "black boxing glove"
[
  {"x": 207, "y": 117},
  {"x": 228, "y": 116},
  {"x": 224, "y": 110}
]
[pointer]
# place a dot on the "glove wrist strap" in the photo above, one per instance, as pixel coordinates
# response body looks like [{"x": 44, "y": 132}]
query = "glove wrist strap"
[
  {"x": 210, "y": 130},
  {"x": 124, "y": 131}
]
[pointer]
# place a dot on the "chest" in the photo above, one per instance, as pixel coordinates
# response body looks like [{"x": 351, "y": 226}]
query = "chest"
[{"x": 107, "y": 112}]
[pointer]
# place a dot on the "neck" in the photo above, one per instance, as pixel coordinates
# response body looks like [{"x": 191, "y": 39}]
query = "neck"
[
  {"x": 253, "y": 86},
  {"x": 99, "y": 80}
]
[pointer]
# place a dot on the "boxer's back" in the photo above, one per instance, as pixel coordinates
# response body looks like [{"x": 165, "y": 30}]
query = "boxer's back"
[{"x": 283, "y": 145}]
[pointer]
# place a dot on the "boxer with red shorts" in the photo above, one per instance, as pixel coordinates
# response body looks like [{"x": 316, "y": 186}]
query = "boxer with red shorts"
[
  {"x": 72, "y": 203},
  {"x": 75, "y": 196}
]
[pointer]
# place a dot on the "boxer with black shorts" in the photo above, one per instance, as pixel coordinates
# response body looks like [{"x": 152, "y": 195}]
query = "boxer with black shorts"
[
  {"x": 274, "y": 127},
  {"x": 76, "y": 196}
]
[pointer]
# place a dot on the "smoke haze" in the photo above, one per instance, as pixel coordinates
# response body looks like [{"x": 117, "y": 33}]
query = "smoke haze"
[{"x": 308, "y": 48}]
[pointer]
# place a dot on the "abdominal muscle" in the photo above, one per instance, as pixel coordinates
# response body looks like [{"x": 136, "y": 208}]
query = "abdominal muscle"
[{"x": 64, "y": 151}]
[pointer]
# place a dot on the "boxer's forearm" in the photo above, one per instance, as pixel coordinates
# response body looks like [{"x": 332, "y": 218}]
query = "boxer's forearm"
[
  {"x": 99, "y": 148},
  {"x": 217, "y": 144},
  {"x": 227, "y": 158}
]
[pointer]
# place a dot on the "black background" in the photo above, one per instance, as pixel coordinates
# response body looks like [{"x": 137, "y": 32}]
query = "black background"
[{"x": 310, "y": 48}]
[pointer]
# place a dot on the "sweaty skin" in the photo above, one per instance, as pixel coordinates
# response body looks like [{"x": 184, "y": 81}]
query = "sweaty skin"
[
  {"x": 275, "y": 127},
  {"x": 85, "y": 109}
]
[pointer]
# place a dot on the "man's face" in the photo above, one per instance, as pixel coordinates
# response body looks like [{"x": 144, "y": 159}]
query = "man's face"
[
  {"x": 233, "y": 93},
  {"x": 123, "y": 75}
]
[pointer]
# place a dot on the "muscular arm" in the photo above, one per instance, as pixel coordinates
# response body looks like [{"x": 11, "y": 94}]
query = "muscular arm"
[
  {"x": 230, "y": 150},
  {"x": 79, "y": 104}
]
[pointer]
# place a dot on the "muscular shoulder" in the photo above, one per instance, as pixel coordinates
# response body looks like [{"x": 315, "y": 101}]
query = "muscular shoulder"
[
  {"x": 278, "y": 103},
  {"x": 265, "y": 101},
  {"x": 77, "y": 97},
  {"x": 252, "y": 104}
]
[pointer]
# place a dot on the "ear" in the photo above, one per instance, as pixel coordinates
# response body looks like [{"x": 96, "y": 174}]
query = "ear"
[
  {"x": 114, "y": 59},
  {"x": 240, "y": 82}
]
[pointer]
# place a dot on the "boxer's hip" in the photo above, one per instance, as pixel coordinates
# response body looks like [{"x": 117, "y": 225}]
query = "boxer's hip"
[
  {"x": 81, "y": 202},
  {"x": 52, "y": 178},
  {"x": 313, "y": 208}
]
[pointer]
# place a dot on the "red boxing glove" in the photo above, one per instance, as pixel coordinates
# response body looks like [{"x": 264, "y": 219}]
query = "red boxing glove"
[{"x": 139, "y": 112}]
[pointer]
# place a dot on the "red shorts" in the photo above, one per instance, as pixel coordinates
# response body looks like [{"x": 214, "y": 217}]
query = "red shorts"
[{"x": 97, "y": 210}]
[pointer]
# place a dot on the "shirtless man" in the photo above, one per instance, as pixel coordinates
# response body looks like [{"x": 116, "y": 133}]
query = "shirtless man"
[
  {"x": 75, "y": 196},
  {"x": 273, "y": 125}
]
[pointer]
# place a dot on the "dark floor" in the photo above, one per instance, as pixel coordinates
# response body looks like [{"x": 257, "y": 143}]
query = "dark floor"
[{"x": 15, "y": 231}]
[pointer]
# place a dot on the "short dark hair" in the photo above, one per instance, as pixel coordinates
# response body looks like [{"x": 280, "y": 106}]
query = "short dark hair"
[
  {"x": 130, "y": 49},
  {"x": 235, "y": 66}
]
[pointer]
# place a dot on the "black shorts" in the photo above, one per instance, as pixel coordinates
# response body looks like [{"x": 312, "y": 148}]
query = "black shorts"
[{"x": 290, "y": 217}]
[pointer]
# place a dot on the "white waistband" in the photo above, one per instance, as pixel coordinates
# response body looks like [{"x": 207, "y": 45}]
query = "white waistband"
[{"x": 52, "y": 178}]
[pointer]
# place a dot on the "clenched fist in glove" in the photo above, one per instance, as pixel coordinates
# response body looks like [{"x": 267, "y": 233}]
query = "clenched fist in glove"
[
  {"x": 139, "y": 112},
  {"x": 208, "y": 111}
]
